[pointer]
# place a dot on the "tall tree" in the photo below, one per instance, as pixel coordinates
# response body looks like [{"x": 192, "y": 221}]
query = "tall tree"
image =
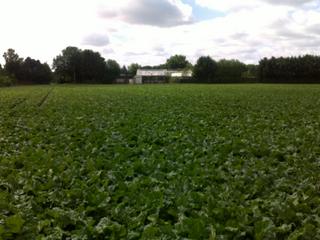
[
  {"x": 251, "y": 73},
  {"x": 33, "y": 71},
  {"x": 133, "y": 68},
  {"x": 67, "y": 65},
  {"x": 177, "y": 62},
  {"x": 13, "y": 62},
  {"x": 230, "y": 71},
  {"x": 124, "y": 70},
  {"x": 113, "y": 70},
  {"x": 26, "y": 71},
  {"x": 302, "y": 69},
  {"x": 93, "y": 68},
  {"x": 84, "y": 66},
  {"x": 205, "y": 70}
]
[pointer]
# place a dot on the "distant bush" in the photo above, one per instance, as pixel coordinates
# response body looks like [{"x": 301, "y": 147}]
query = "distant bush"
[
  {"x": 230, "y": 71},
  {"x": 6, "y": 81},
  {"x": 251, "y": 75}
]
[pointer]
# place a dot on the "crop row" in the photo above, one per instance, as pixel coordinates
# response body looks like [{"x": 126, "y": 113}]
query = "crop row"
[{"x": 160, "y": 162}]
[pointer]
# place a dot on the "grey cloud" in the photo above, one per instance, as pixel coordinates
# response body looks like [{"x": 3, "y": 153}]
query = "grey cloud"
[
  {"x": 306, "y": 38},
  {"x": 280, "y": 22},
  {"x": 283, "y": 30},
  {"x": 239, "y": 35},
  {"x": 219, "y": 40},
  {"x": 313, "y": 43},
  {"x": 112, "y": 30},
  {"x": 161, "y": 13},
  {"x": 289, "y": 2},
  {"x": 289, "y": 34},
  {"x": 162, "y": 54},
  {"x": 246, "y": 51},
  {"x": 135, "y": 53},
  {"x": 96, "y": 40},
  {"x": 200, "y": 52},
  {"x": 314, "y": 29},
  {"x": 159, "y": 49},
  {"x": 106, "y": 13},
  {"x": 108, "y": 51}
]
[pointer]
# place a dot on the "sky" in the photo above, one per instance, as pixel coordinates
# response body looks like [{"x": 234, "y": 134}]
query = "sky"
[{"x": 150, "y": 31}]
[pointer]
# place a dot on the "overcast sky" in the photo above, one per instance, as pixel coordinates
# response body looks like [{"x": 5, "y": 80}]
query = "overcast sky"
[{"x": 150, "y": 31}]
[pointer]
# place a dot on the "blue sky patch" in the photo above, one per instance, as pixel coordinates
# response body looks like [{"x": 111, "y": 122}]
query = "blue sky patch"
[{"x": 203, "y": 13}]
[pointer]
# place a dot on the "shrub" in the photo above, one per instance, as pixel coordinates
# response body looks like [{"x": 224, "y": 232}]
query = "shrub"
[{"x": 6, "y": 81}]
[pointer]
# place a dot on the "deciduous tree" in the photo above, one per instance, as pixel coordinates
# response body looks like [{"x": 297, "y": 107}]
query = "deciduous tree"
[
  {"x": 33, "y": 71},
  {"x": 67, "y": 65},
  {"x": 205, "y": 70},
  {"x": 177, "y": 62},
  {"x": 133, "y": 68},
  {"x": 113, "y": 70},
  {"x": 84, "y": 66},
  {"x": 229, "y": 71},
  {"x": 13, "y": 62}
]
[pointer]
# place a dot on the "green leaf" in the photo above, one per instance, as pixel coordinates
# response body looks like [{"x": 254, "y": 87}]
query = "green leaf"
[
  {"x": 263, "y": 229},
  {"x": 296, "y": 234},
  {"x": 14, "y": 223}
]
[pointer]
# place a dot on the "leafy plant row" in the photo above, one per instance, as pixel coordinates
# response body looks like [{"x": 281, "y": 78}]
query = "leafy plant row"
[{"x": 160, "y": 162}]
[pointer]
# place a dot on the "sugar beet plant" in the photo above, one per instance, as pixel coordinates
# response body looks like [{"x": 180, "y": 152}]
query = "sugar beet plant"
[{"x": 160, "y": 162}]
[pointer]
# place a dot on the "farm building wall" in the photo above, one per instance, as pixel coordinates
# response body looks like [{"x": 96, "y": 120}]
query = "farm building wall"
[{"x": 161, "y": 76}]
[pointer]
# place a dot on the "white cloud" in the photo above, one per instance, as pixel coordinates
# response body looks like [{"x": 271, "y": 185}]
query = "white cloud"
[
  {"x": 164, "y": 13},
  {"x": 234, "y": 5},
  {"x": 96, "y": 40},
  {"x": 249, "y": 29},
  {"x": 227, "y": 5},
  {"x": 290, "y": 2}
]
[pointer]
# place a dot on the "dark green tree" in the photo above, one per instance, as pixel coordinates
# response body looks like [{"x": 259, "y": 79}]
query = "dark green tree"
[
  {"x": 67, "y": 65},
  {"x": 113, "y": 70},
  {"x": 229, "y": 71},
  {"x": 13, "y": 62},
  {"x": 29, "y": 71},
  {"x": 124, "y": 73},
  {"x": 205, "y": 70},
  {"x": 302, "y": 69},
  {"x": 133, "y": 68},
  {"x": 177, "y": 62},
  {"x": 5, "y": 80},
  {"x": 33, "y": 71},
  {"x": 92, "y": 69},
  {"x": 84, "y": 66},
  {"x": 124, "y": 70},
  {"x": 251, "y": 73}
]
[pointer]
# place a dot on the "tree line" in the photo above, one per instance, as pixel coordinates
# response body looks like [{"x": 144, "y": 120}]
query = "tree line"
[
  {"x": 302, "y": 69},
  {"x": 84, "y": 66},
  {"x": 207, "y": 70},
  {"x": 23, "y": 71},
  {"x": 75, "y": 65}
]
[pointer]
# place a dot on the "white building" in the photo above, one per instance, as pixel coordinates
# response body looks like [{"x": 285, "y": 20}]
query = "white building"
[{"x": 161, "y": 75}]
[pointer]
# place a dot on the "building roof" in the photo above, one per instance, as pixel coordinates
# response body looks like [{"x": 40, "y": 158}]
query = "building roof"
[
  {"x": 152, "y": 72},
  {"x": 163, "y": 72}
]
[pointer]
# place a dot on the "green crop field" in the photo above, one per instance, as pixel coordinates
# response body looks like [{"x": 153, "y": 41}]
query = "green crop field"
[{"x": 160, "y": 162}]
